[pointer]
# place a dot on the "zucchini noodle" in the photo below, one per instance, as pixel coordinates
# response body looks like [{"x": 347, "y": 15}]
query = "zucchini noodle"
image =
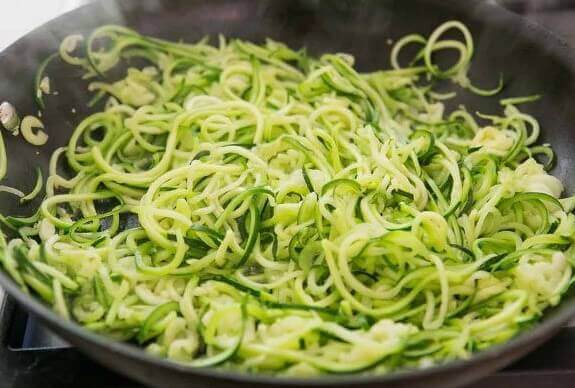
[
  {"x": 254, "y": 207},
  {"x": 36, "y": 189}
]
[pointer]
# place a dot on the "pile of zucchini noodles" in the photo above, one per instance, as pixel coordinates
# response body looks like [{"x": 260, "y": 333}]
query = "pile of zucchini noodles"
[{"x": 258, "y": 208}]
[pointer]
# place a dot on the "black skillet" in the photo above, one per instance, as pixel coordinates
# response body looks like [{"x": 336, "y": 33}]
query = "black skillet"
[{"x": 531, "y": 59}]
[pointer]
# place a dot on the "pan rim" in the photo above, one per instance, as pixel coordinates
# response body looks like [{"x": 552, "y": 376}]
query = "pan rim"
[{"x": 545, "y": 40}]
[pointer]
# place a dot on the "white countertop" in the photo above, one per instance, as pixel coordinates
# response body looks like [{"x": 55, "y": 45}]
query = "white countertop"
[{"x": 22, "y": 16}]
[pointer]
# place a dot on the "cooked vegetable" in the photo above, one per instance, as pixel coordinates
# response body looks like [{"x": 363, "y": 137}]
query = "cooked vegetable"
[
  {"x": 9, "y": 117},
  {"x": 39, "y": 137},
  {"x": 12, "y": 190},
  {"x": 42, "y": 82},
  {"x": 254, "y": 207},
  {"x": 36, "y": 189},
  {"x": 3, "y": 158}
]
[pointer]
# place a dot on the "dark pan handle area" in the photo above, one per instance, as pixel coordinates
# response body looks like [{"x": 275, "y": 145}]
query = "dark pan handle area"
[{"x": 531, "y": 59}]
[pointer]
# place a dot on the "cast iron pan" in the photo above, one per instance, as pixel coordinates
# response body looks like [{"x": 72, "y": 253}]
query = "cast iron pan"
[{"x": 531, "y": 59}]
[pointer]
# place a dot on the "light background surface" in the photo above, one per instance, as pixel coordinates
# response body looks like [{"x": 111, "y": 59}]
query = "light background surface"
[{"x": 22, "y": 16}]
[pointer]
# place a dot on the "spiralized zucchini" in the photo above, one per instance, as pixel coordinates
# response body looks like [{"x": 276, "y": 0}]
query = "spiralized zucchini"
[{"x": 258, "y": 208}]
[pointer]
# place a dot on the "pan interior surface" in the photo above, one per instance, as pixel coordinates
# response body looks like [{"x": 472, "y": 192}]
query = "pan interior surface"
[{"x": 531, "y": 61}]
